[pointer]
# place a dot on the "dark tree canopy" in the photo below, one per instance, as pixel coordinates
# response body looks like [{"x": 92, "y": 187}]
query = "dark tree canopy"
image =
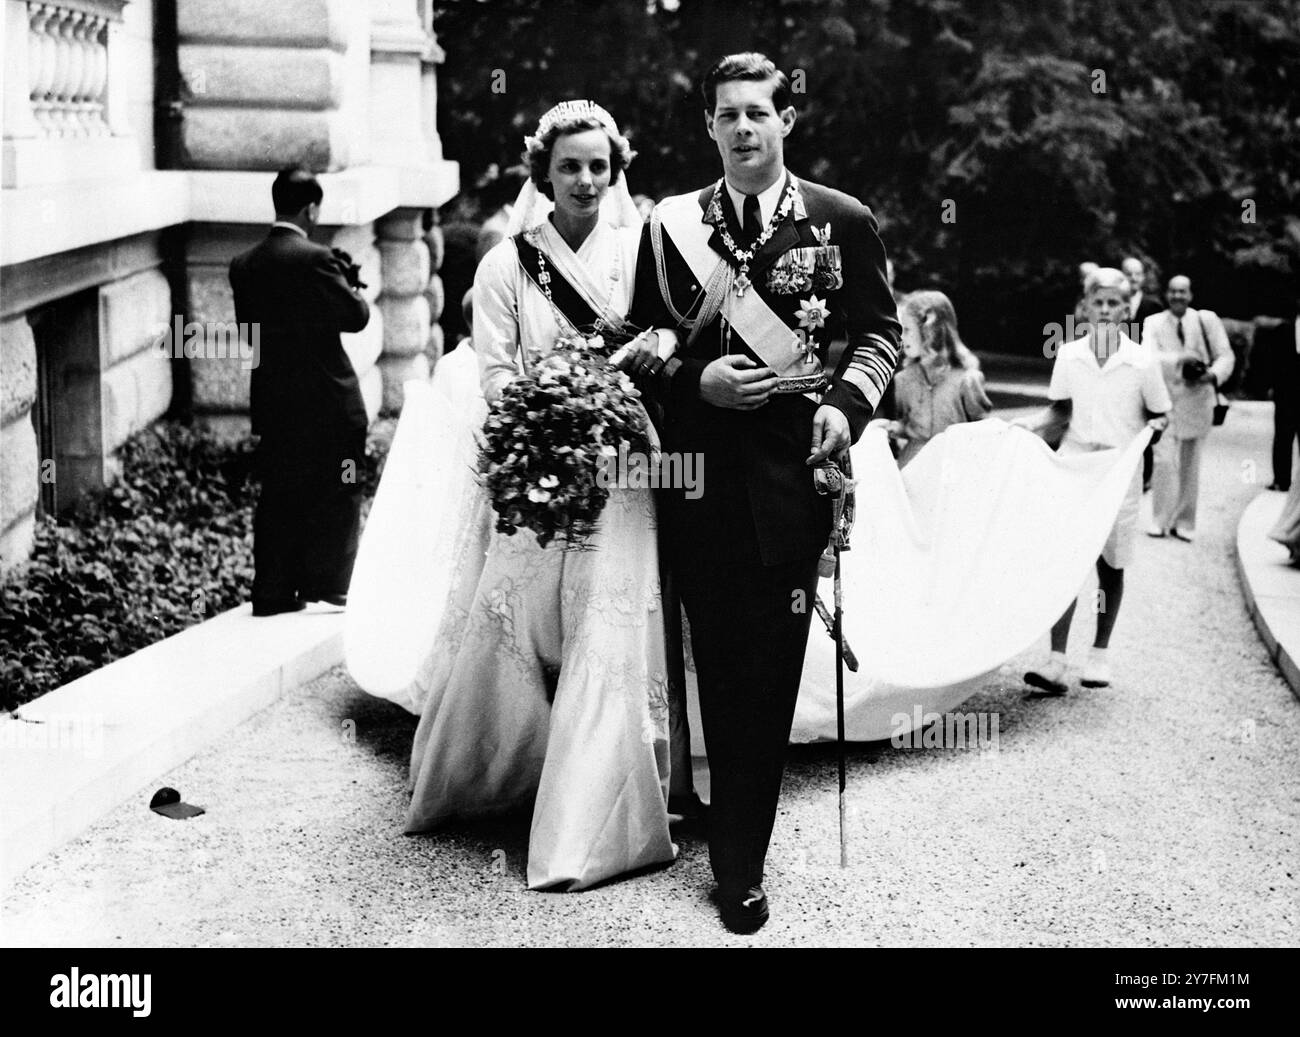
[{"x": 1048, "y": 131}]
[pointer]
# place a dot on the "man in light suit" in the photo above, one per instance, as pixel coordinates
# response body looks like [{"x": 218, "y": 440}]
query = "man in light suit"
[{"x": 1196, "y": 358}]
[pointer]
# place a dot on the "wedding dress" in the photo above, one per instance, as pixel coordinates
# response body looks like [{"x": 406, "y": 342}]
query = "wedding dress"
[
  {"x": 538, "y": 674},
  {"x": 957, "y": 563}
]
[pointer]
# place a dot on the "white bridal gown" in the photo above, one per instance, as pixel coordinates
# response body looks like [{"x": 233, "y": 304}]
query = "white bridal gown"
[
  {"x": 479, "y": 617},
  {"x": 958, "y": 563}
]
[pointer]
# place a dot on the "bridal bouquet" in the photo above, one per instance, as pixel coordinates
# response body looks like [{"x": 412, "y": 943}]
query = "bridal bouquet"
[{"x": 545, "y": 437}]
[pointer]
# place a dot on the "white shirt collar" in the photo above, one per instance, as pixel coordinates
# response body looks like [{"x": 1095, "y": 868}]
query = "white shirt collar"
[
  {"x": 767, "y": 200},
  {"x": 288, "y": 226},
  {"x": 1129, "y": 352}
]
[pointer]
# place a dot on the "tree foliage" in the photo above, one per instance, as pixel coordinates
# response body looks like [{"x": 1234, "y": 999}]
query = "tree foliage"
[{"x": 1054, "y": 131}]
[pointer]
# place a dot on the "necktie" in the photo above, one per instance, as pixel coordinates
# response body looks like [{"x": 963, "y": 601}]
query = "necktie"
[
  {"x": 751, "y": 227},
  {"x": 1182, "y": 338}
]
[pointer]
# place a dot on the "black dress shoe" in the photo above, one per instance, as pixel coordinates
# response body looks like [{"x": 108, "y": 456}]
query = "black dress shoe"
[
  {"x": 339, "y": 601},
  {"x": 274, "y": 608},
  {"x": 743, "y": 912}
]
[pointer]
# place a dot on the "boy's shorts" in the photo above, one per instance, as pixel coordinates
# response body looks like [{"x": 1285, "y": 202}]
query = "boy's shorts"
[{"x": 1121, "y": 544}]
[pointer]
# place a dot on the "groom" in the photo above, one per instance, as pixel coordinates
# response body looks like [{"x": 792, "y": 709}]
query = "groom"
[{"x": 755, "y": 275}]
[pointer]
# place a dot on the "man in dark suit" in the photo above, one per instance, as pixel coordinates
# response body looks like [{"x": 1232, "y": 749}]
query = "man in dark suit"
[
  {"x": 755, "y": 275},
  {"x": 306, "y": 404},
  {"x": 1141, "y": 304},
  {"x": 1277, "y": 350}
]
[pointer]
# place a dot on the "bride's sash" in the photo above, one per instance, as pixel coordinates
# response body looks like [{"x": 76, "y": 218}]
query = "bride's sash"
[{"x": 568, "y": 283}]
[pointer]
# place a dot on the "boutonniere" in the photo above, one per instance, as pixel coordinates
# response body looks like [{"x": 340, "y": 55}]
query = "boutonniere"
[
  {"x": 822, "y": 234},
  {"x": 812, "y": 312}
]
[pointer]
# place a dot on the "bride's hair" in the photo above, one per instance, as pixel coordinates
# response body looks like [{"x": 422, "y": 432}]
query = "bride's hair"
[{"x": 537, "y": 153}]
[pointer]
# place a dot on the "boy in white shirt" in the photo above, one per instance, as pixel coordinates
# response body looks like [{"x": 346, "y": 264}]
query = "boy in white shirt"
[{"x": 1105, "y": 388}]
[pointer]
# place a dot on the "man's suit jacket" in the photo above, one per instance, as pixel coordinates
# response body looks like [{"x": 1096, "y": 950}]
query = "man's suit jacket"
[
  {"x": 1192, "y": 414},
  {"x": 1147, "y": 306},
  {"x": 1275, "y": 355},
  {"x": 758, "y": 495},
  {"x": 304, "y": 388}
]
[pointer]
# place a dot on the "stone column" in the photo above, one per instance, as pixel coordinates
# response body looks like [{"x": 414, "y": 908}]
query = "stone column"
[
  {"x": 19, "y": 455},
  {"x": 365, "y": 346},
  {"x": 405, "y": 307},
  {"x": 219, "y": 389},
  {"x": 435, "y": 292},
  {"x": 397, "y": 42}
]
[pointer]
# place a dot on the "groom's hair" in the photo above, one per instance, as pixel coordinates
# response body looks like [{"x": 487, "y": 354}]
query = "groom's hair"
[{"x": 751, "y": 66}]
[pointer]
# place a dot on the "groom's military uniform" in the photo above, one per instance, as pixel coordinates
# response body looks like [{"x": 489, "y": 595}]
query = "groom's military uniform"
[{"x": 744, "y": 552}]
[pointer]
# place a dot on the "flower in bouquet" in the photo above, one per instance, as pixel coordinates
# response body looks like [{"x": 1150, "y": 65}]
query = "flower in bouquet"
[{"x": 546, "y": 435}]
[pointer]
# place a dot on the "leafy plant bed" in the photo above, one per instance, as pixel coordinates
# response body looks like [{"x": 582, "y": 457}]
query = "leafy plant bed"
[{"x": 168, "y": 545}]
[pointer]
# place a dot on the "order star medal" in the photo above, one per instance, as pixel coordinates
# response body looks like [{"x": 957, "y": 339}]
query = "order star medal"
[{"x": 812, "y": 314}]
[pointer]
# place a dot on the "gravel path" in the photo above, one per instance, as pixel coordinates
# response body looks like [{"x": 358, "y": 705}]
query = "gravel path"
[{"x": 1162, "y": 811}]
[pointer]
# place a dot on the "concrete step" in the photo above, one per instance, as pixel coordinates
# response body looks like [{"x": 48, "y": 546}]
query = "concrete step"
[
  {"x": 1270, "y": 584},
  {"x": 71, "y": 756}
]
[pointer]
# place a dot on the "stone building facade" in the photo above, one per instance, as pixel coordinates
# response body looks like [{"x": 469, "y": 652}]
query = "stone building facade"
[{"x": 140, "y": 138}]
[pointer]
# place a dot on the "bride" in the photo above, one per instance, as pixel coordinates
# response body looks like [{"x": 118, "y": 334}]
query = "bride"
[{"x": 544, "y": 679}]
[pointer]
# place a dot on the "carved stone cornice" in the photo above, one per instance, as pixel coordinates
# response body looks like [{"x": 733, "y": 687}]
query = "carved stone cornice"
[{"x": 110, "y": 9}]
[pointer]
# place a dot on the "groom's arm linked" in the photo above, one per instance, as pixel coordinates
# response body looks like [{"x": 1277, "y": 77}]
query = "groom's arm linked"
[{"x": 675, "y": 382}]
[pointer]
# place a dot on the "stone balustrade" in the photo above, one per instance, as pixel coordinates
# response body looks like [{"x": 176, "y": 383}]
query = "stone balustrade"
[
  {"x": 65, "y": 93},
  {"x": 67, "y": 70}
]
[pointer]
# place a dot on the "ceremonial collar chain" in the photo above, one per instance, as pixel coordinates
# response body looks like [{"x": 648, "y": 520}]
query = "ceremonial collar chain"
[{"x": 743, "y": 256}]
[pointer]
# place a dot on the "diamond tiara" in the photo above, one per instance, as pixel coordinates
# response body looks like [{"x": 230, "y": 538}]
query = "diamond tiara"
[{"x": 567, "y": 110}]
